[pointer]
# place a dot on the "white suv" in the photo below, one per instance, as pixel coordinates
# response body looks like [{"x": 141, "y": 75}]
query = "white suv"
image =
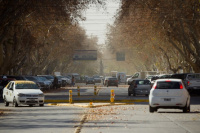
[
  {"x": 169, "y": 93},
  {"x": 23, "y": 93}
]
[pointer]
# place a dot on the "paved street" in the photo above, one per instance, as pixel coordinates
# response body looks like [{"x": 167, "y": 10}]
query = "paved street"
[{"x": 102, "y": 119}]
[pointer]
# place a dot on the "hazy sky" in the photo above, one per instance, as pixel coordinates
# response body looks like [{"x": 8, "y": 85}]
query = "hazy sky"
[{"x": 97, "y": 19}]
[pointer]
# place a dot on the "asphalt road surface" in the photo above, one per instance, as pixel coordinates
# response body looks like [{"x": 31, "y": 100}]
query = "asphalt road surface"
[{"x": 103, "y": 119}]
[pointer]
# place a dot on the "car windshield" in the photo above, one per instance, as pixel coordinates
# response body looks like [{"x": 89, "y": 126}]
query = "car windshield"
[
  {"x": 168, "y": 85},
  {"x": 26, "y": 86},
  {"x": 41, "y": 78}
]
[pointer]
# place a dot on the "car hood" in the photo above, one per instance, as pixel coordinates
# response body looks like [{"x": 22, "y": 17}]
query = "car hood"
[{"x": 28, "y": 91}]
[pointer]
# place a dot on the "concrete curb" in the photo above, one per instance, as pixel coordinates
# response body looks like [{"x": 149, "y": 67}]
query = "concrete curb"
[
  {"x": 97, "y": 101},
  {"x": 86, "y": 105}
]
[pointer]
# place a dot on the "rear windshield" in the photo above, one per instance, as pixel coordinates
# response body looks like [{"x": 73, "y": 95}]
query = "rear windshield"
[
  {"x": 168, "y": 85},
  {"x": 143, "y": 82}
]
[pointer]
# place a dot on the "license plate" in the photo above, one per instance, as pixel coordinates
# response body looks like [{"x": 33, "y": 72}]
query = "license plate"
[{"x": 167, "y": 99}]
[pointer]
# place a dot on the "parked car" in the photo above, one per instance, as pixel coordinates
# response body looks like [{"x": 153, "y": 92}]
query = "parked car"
[
  {"x": 49, "y": 77},
  {"x": 139, "y": 87},
  {"x": 47, "y": 84},
  {"x": 23, "y": 93},
  {"x": 62, "y": 81},
  {"x": 40, "y": 84},
  {"x": 169, "y": 93},
  {"x": 192, "y": 82},
  {"x": 97, "y": 79},
  {"x": 16, "y": 77},
  {"x": 111, "y": 81},
  {"x": 90, "y": 80}
]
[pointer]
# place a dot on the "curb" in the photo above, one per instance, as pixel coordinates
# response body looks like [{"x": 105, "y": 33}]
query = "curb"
[
  {"x": 89, "y": 105},
  {"x": 96, "y": 101}
]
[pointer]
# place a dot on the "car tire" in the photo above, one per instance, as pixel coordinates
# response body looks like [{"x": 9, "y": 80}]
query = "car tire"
[
  {"x": 151, "y": 109},
  {"x": 15, "y": 104},
  {"x": 185, "y": 109},
  {"x": 129, "y": 94},
  {"x": 5, "y": 102},
  {"x": 41, "y": 105}
]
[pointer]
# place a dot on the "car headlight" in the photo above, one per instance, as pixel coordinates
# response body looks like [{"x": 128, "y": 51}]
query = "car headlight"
[
  {"x": 21, "y": 95},
  {"x": 41, "y": 95}
]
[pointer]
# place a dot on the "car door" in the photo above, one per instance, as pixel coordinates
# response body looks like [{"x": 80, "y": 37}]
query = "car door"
[{"x": 10, "y": 93}]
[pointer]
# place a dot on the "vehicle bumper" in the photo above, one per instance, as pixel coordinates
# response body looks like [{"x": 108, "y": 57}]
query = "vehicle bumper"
[
  {"x": 174, "y": 102},
  {"x": 30, "y": 101},
  {"x": 142, "y": 92}
]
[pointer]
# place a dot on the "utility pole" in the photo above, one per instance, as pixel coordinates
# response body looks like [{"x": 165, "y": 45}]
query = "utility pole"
[{"x": 101, "y": 72}]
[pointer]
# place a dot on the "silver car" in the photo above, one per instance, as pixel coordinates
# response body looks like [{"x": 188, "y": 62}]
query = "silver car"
[{"x": 139, "y": 87}]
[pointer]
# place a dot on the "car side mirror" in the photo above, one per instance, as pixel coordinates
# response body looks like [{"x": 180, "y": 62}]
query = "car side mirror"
[{"x": 11, "y": 89}]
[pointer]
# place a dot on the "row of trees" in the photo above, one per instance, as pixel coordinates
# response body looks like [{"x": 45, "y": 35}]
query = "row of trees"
[
  {"x": 158, "y": 35},
  {"x": 39, "y": 36}
]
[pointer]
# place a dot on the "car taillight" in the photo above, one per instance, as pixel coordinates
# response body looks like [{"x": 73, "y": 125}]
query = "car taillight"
[
  {"x": 188, "y": 83},
  {"x": 181, "y": 86},
  {"x": 168, "y": 81},
  {"x": 155, "y": 87}
]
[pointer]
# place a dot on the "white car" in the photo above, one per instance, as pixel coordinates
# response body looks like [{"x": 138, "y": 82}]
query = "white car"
[
  {"x": 23, "y": 93},
  {"x": 169, "y": 93}
]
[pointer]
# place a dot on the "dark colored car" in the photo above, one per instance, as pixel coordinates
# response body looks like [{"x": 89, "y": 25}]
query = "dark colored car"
[
  {"x": 111, "y": 82},
  {"x": 90, "y": 81},
  {"x": 16, "y": 77},
  {"x": 181, "y": 76}
]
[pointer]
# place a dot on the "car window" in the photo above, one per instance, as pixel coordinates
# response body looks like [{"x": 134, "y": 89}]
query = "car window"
[
  {"x": 9, "y": 85},
  {"x": 26, "y": 86},
  {"x": 193, "y": 76},
  {"x": 168, "y": 85},
  {"x": 143, "y": 82}
]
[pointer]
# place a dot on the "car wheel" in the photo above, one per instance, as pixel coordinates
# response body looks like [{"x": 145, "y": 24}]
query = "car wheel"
[
  {"x": 151, "y": 109},
  {"x": 185, "y": 109},
  {"x": 147, "y": 95},
  {"x": 41, "y": 105},
  {"x": 5, "y": 102},
  {"x": 188, "y": 110},
  {"x": 15, "y": 104},
  {"x": 129, "y": 94},
  {"x": 30, "y": 105}
]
